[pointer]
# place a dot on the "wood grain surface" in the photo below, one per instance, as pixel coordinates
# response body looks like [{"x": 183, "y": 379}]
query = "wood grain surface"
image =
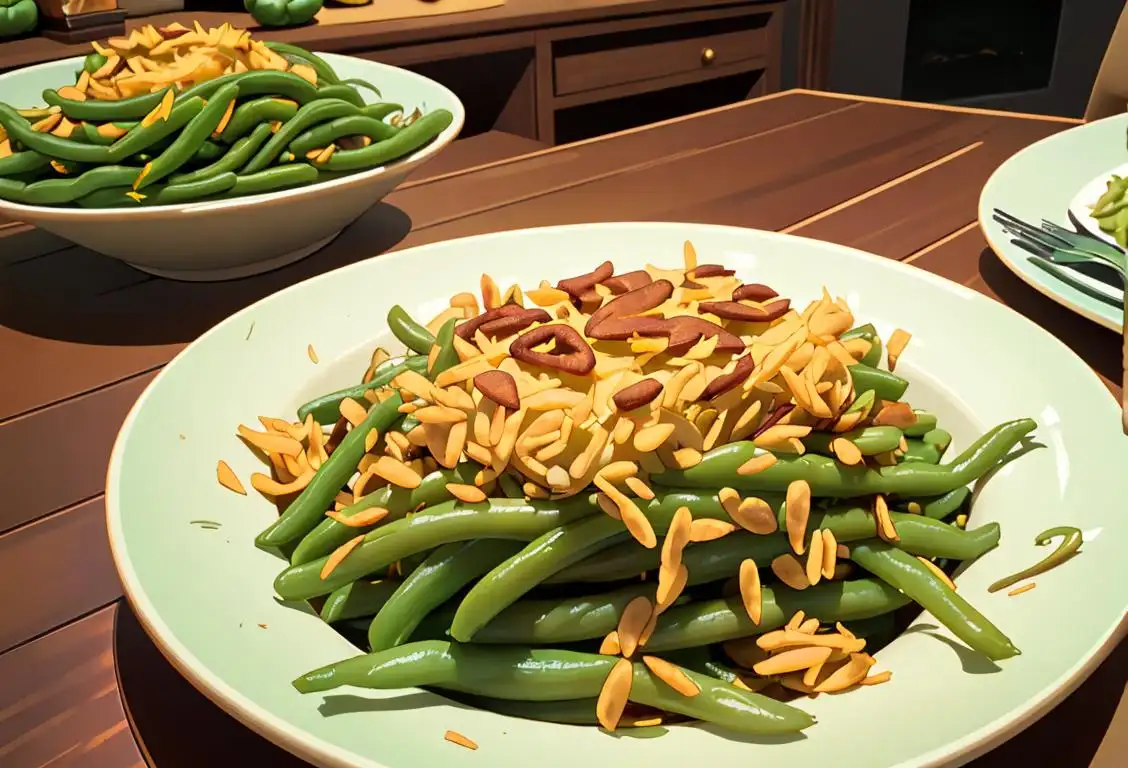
[{"x": 81, "y": 684}]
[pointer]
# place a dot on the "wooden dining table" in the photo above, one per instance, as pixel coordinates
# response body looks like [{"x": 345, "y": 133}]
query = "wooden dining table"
[{"x": 81, "y": 335}]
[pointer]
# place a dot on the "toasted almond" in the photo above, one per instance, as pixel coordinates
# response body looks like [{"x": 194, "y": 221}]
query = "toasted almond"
[
  {"x": 672, "y": 675},
  {"x": 676, "y": 538},
  {"x": 639, "y": 488},
  {"x": 610, "y": 644},
  {"x": 618, "y": 471},
  {"x": 454, "y": 737},
  {"x": 796, "y": 621},
  {"x": 338, "y": 555},
  {"x": 751, "y": 593},
  {"x": 439, "y": 414},
  {"x": 797, "y": 512},
  {"x": 815, "y": 559},
  {"x": 885, "y": 528},
  {"x": 353, "y": 411},
  {"x": 792, "y": 661},
  {"x": 755, "y": 515},
  {"x": 632, "y": 621},
  {"x": 652, "y": 437},
  {"x": 896, "y": 345},
  {"x": 878, "y": 679},
  {"x": 228, "y": 479},
  {"x": 829, "y": 553},
  {"x": 845, "y": 451},
  {"x": 270, "y": 442},
  {"x": 707, "y": 529},
  {"x": 614, "y": 694},
  {"x": 1019, "y": 590},
  {"x": 466, "y": 493},
  {"x": 371, "y": 439},
  {"x": 638, "y": 525},
  {"x": 547, "y": 297},
  {"x": 361, "y": 519},
  {"x": 757, "y": 464},
  {"x": 849, "y": 674},
  {"x": 790, "y": 571},
  {"x": 935, "y": 569},
  {"x": 396, "y": 472}
]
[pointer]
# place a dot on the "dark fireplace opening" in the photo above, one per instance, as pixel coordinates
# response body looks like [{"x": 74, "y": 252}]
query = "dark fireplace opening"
[{"x": 959, "y": 49}]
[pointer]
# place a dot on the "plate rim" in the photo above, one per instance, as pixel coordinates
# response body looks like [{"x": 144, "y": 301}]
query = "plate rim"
[
  {"x": 322, "y": 752},
  {"x": 983, "y": 216}
]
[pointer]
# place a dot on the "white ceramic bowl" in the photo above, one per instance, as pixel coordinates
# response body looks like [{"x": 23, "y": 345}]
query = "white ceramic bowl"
[{"x": 228, "y": 239}]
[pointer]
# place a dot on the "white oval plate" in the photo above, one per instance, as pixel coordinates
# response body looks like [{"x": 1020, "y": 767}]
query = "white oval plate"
[
  {"x": 1040, "y": 182},
  {"x": 205, "y": 596}
]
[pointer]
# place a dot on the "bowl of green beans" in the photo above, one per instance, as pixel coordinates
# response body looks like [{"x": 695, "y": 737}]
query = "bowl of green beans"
[
  {"x": 234, "y": 175},
  {"x": 691, "y": 500}
]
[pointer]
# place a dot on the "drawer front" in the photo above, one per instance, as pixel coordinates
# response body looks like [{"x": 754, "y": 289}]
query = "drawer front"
[{"x": 580, "y": 72}]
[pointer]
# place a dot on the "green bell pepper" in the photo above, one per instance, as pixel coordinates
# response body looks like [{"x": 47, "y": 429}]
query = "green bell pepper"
[
  {"x": 282, "y": 13},
  {"x": 17, "y": 17}
]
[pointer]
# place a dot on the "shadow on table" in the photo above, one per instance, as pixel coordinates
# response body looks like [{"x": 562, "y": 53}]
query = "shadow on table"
[
  {"x": 69, "y": 293},
  {"x": 1095, "y": 344}
]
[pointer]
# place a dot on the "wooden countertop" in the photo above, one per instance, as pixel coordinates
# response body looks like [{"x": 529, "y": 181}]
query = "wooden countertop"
[
  {"x": 85, "y": 334},
  {"x": 514, "y": 15}
]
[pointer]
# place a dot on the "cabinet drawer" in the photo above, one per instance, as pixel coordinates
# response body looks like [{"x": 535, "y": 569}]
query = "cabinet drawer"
[{"x": 633, "y": 62}]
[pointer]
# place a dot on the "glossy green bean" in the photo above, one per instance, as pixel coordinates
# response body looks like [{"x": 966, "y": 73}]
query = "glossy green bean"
[
  {"x": 208, "y": 152},
  {"x": 105, "y": 111},
  {"x": 23, "y": 162},
  {"x": 259, "y": 82},
  {"x": 351, "y": 125},
  {"x": 1071, "y": 540},
  {"x": 827, "y": 477},
  {"x": 942, "y": 506},
  {"x": 447, "y": 356},
  {"x": 91, "y": 135},
  {"x": 522, "y": 674},
  {"x": 870, "y": 441},
  {"x": 886, "y": 385},
  {"x": 296, "y": 54},
  {"x": 410, "y": 333},
  {"x": 235, "y": 158},
  {"x": 310, "y": 114},
  {"x": 913, "y": 578},
  {"x": 191, "y": 139},
  {"x": 509, "y": 486},
  {"x": 326, "y": 409},
  {"x": 251, "y": 114},
  {"x": 446, "y": 571},
  {"x": 381, "y": 109},
  {"x": 273, "y": 180},
  {"x": 924, "y": 423},
  {"x": 358, "y": 599},
  {"x": 342, "y": 92},
  {"x": 406, "y": 141},
  {"x": 550, "y": 553},
  {"x": 306, "y": 511},
  {"x": 715, "y": 621},
  {"x": 873, "y": 356},
  {"x": 357, "y": 82},
  {"x": 66, "y": 190},
  {"x": 170, "y": 194},
  {"x": 563, "y": 620},
  {"x": 432, "y": 527}
]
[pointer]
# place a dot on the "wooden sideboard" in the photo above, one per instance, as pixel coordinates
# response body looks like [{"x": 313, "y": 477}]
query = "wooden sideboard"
[{"x": 549, "y": 70}]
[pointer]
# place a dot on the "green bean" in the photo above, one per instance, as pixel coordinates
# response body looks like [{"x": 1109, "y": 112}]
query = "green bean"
[
  {"x": 309, "y": 115},
  {"x": 509, "y": 581},
  {"x": 93, "y": 62},
  {"x": 410, "y": 333},
  {"x": 869, "y": 440},
  {"x": 342, "y": 92},
  {"x": 234, "y": 159},
  {"x": 351, "y": 125},
  {"x": 23, "y": 162},
  {"x": 548, "y": 675},
  {"x": 918, "y": 450},
  {"x": 171, "y": 194},
  {"x": 721, "y": 558},
  {"x": 306, "y": 511},
  {"x": 249, "y": 115},
  {"x": 316, "y": 63},
  {"x": 67, "y": 190},
  {"x": 406, "y": 141},
  {"x": 326, "y": 409},
  {"x": 91, "y": 133},
  {"x": 257, "y": 83},
  {"x": 194, "y": 135},
  {"x": 564, "y": 620},
  {"x": 886, "y": 385},
  {"x": 106, "y": 111},
  {"x": 133, "y": 142},
  {"x": 828, "y": 477},
  {"x": 700, "y": 660},
  {"x": 925, "y": 422},
  {"x": 509, "y": 486},
  {"x": 942, "y": 506},
  {"x": 360, "y": 598},
  {"x": 432, "y": 527},
  {"x": 1070, "y": 543},
  {"x": 357, "y": 82},
  {"x": 208, "y": 152},
  {"x": 447, "y": 356},
  {"x": 872, "y": 356},
  {"x": 273, "y": 179},
  {"x": 447, "y": 570},
  {"x": 381, "y": 109},
  {"x": 913, "y": 578},
  {"x": 715, "y": 621}
]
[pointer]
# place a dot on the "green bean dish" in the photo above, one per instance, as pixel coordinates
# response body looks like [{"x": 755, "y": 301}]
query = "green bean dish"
[
  {"x": 176, "y": 115},
  {"x": 626, "y": 500}
]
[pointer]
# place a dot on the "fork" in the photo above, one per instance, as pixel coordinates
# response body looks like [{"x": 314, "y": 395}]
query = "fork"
[{"x": 1052, "y": 244}]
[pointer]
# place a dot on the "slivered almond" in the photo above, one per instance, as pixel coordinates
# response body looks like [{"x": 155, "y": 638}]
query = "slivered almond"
[
  {"x": 638, "y": 525},
  {"x": 671, "y": 675},
  {"x": 651, "y": 438},
  {"x": 671, "y": 583},
  {"x": 792, "y": 661},
  {"x": 338, "y": 555},
  {"x": 271, "y": 442},
  {"x": 639, "y": 488},
  {"x": 614, "y": 694},
  {"x": 707, "y": 529},
  {"x": 755, "y": 515},
  {"x": 371, "y": 439},
  {"x": 849, "y": 674},
  {"x": 845, "y": 451},
  {"x": 935, "y": 569},
  {"x": 676, "y": 538},
  {"x": 396, "y": 472},
  {"x": 610, "y": 644},
  {"x": 361, "y": 519},
  {"x": 757, "y": 464},
  {"x": 795, "y": 621},
  {"x": 454, "y": 737},
  {"x": 466, "y": 493},
  {"x": 790, "y": 571},
  {"x": 896, "y": 345},
  {"x": 632, "y": 621},
  {"x": 353, "y": 411},
  {"x": 830, "y": 553},
  {"x": 885, "y": 528},
  {"x": 750, "y": 592},
  {"x": 228, "y": 479},
  {"x": 878, "y": 679},
  {"x": 798, "y": 511},
  {"x": 439, "y": 414},
  {"x": 815, "y": 559}
]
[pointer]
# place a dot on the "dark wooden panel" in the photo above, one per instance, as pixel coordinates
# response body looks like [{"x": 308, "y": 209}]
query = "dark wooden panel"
[
  {"x": 53, "y": 570},
  {"x": 967, "y": 259},
  {"x": 59, "y": 703},
  {"x": 924, "y": 208},
  {"x": 57, "y": 457}
]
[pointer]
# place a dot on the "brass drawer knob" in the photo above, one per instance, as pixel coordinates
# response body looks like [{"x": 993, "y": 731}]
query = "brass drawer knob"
[{"x": 708, "y": 56}]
